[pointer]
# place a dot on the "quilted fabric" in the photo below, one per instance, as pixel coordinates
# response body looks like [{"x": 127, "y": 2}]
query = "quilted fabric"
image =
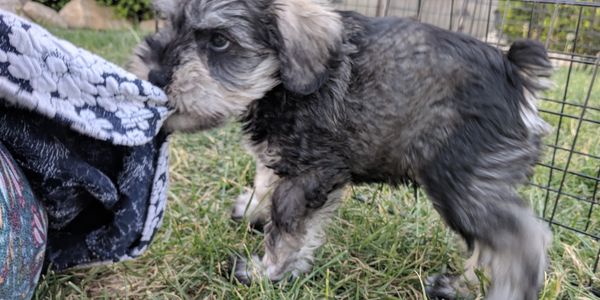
[{"x": 87, "y": 135}]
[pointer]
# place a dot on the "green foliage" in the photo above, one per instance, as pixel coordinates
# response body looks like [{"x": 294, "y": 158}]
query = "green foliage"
[
  {"x": 136, "y": 10},
  {"x": 55, "y": 4},
  {"x": 132, "y": 9},
  {"x": 562, "y": 36}
]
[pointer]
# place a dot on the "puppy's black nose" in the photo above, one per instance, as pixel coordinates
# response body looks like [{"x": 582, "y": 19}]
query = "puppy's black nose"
[{"x": 159, "y": 78}]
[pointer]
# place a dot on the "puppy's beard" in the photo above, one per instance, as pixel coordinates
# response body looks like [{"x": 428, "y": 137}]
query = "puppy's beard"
[
  {"x": 202, "y": 102},
  {"x": 190, "y": 123}
]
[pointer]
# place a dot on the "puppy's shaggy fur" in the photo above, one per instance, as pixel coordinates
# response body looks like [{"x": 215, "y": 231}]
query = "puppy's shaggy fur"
[{"x": 331, "y": 98}]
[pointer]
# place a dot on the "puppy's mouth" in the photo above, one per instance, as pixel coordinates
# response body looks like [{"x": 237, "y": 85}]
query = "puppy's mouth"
[{"x": 196, "y": 108}]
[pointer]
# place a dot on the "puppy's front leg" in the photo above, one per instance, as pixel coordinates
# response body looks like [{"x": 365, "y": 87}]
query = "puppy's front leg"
[
  {"x": 301, "y": 209},
  {"x": 256, "y": 204}
]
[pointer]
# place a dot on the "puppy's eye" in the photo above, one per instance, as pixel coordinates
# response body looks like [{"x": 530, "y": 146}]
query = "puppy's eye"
[{"x": 219, "y": 42}]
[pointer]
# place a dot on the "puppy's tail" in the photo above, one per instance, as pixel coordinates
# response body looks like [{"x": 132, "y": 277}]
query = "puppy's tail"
[
  {"x": 532, "y": 59},
  {"x": 534, "y": 69}
]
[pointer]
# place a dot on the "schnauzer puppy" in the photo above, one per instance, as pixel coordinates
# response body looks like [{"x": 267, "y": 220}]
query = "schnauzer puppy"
[{"x": 332, "y": 98}]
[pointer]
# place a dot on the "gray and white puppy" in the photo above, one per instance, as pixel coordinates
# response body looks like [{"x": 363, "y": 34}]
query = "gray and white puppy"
[{"x": 330, "y": 98}]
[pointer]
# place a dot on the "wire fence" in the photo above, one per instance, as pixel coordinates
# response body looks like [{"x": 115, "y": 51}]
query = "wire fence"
[{"x": 565, "y": 188}]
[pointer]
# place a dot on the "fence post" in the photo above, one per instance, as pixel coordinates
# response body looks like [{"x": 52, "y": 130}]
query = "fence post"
[{"x": 382, "y": 7}]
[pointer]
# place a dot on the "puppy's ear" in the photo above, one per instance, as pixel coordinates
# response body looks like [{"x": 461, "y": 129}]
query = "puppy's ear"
[
  {"x": 310, "y": 34},
  {"x": 166, "y": 8}
]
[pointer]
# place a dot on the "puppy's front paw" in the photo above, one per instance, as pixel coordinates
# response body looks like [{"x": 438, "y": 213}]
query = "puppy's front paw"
[
  {"x": 441, "y": 287},
  {"x": 246, "y": 206},
  {"x": 242, "y": 205},
  {"x": 246, "y": 271}
]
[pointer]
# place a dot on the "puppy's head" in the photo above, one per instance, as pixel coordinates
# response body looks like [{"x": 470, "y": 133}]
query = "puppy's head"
[{"x": 214, "y": 57}]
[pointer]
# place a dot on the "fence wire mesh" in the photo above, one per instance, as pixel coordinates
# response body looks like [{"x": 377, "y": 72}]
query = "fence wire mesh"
[{"x": 565, "y": 187}]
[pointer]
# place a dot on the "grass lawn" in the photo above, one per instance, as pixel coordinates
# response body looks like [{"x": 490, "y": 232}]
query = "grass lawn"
[{"x": 380, "y": 247}]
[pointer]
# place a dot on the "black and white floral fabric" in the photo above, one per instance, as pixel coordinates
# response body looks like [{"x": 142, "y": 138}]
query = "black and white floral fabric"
[{"x": 87, "y": 135}]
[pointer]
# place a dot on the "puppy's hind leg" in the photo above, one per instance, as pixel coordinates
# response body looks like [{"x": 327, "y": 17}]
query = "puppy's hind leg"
[
  {"x": 485, "y": 208},
  {"x": 510, "y": 244},
  {"x": 517, "y": 260},
  {"x": 255, "y": 205}
]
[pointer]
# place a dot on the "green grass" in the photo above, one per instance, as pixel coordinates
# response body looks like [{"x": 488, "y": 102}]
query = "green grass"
[
  {"x": 115, "y": 46},
  {"x": 379, "y": 248}
]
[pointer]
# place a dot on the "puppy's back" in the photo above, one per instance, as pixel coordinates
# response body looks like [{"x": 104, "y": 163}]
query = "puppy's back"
[{"x": 419, "y": 85}]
